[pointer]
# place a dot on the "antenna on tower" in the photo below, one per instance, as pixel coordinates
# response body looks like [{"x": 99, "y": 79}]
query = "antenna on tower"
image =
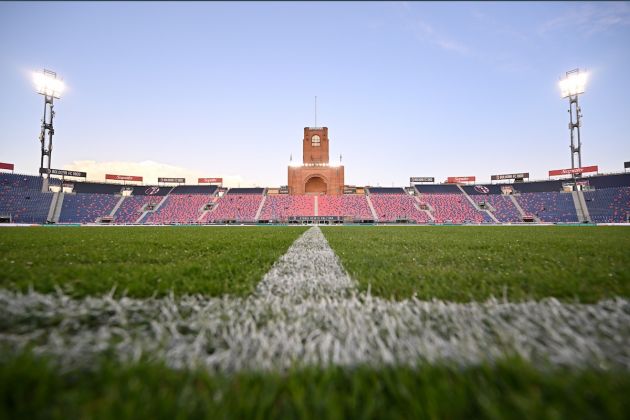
[{"x": 315, "y": 111}]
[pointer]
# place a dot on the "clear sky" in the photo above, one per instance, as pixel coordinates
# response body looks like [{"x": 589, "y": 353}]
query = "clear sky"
[{"x": 225, "y": 89}]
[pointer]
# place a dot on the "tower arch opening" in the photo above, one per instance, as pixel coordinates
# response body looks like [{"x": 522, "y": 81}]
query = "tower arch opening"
[{"x": 315, "y": 185}]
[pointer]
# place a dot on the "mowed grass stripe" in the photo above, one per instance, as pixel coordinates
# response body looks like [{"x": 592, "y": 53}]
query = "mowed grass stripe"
[
  {"x": 475, "y": 263},
  {"x": 141, "y": 261}
]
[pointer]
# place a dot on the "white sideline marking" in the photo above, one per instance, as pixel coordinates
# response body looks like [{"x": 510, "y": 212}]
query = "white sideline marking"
[
  {"x": 308, "y": 268},
  {"x": 275, "y": 332},
  {"x": 306, "y": 312}
]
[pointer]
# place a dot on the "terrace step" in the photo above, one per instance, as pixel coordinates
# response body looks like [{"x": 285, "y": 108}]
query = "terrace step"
[
  {"x": 217, "y": 201},
  {"x": 316, "y": 206},
  {"x": 156, "y": 208},
  {"x": 51, "y": 209},
  {"x": 585, "y": 211},
  {"x": 520, "y": 209},
  {"x": 58, "y": 207},
  {"x": 430, "y": 210},
  {"x": 117, "y": 206},
  {"x": 470, "y": 200},
  {"x": 476, "y": 205},
  {"x": 492, "y": 216},
  {"x": 367, "y": 197},
  {"x": 260, "y": 207},
  {"x": 580, "y": 206}
]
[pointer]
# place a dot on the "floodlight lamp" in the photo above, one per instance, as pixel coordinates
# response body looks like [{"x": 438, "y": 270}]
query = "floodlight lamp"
[
  {"x": 47, "y": 84},
  {"x": 573, "y": 84}
]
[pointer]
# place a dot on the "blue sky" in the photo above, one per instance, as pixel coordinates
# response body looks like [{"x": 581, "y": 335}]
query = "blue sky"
[{"x": 225, "y": 89}]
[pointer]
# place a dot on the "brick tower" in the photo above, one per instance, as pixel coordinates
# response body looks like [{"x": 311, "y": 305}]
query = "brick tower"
[{"x": 316, "y": 175}]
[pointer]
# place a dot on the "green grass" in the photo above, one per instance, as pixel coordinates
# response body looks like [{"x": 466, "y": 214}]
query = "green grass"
[
  {"x": 141, "y": 261},
  {"x": 474, "y": 263},
  {"x": 31, "y": 388},
  {"x": 451, "y": 263}
]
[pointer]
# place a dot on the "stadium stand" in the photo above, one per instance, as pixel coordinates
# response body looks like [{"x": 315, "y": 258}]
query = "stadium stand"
[
  {"x": 150, "y": 190},
  {"x": 22, "y": 201},
  {"x": 21, "y": 198},
  {"x": 241, "y": 191},
  {"x": 86, "y": 208},
  {"x": 454, "y": 208},
  {"x": 194, "y": 189},
  {"x": 281, "y": 207},
  {"x": 96, "y": 188},
  {"x": 609, "y": 205},
  {"x": 504, "y": 209},
  {"x": 131, "y": 208},
  {"x": 438, "y": 189},
  {"x": 608, "y": 181},
  {"x": 483, "y": 189},
  {"x": 236, "y": 208},
  {"x": 549, "y": 206},
  {"x": 179, "y": 208},
  {"x": 538, "y": 186},
  {"x": 390, "y": 207},
  {"x": 354, "y": 206},
  {"x": 385, "y": 190}
]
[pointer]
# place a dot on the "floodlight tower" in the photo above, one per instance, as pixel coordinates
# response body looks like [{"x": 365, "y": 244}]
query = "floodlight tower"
[
  {"x": 571, "y": 87},
  {"x": 50, "y": 87}
]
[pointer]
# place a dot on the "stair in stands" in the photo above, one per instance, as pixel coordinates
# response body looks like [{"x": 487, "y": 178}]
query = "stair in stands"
[
  {"x": 53, "y": 205},
  {"x": 262, "y": 203},
  {"x": 216, "y": 202},
  {"x": 58, "y": 207},
  {"x": 585, "y": 212},
  {"x": 371, "y": 207},
  {"x": 117, "y": 206},
  {"x": 146, "y": 212},
  {"x": 427, "y": 212},
  {"x": 476, "y": 206},
  {"x": 578, "y": 206},
  {"x": 520, "y": 209}
]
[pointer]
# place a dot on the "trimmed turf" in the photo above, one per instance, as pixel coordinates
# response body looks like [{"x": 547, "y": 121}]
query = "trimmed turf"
[
  {"x": 474, "y": 263},
  {"x": 32, "y": 388},
  {"x": 141, "y": 261}
]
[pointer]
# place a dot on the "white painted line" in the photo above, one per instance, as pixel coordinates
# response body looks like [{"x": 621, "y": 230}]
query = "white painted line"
[
  {"x": 277, "y": 332},
  {"x": 308, "y": 268}
]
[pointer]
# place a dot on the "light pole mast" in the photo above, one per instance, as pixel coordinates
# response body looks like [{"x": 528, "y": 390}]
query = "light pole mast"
[
  {"x": 50, "y": 87},
  {"x": 571, "y": 87}
]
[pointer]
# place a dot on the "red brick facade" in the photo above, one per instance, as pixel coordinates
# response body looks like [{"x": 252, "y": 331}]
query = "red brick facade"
[{"x": 316, "y": 176}]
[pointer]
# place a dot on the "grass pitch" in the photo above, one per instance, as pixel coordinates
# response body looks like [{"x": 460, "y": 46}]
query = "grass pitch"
[
  {"x": 141, "y": 261},
  {"x": 462, "y": 264},
  {"x": 449, "y": 263},
  {"x": 31, "y": 388}
]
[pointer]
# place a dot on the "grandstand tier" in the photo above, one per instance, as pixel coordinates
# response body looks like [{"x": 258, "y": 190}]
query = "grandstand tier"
[
  {"x": 21, "y": 198},
  {"x": 281, "y": 207},
  {"x": 606, "y": 200},
  {"x": 235, "y": 208}
]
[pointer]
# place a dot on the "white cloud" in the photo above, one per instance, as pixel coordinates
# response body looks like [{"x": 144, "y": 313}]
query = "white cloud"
[
  {"x": 590, "y": 18},
  {"x": 425, "y": 32},
  {"x": 149, "y": 170}
]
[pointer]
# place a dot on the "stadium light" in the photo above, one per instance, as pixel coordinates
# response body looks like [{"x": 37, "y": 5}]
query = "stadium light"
[
  {"x": 50, "y": 87},
  {"x": 574, "y": 84},
  {"x": 47, "y": 84}
]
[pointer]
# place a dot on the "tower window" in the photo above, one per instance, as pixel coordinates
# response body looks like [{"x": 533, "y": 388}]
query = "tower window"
[{"x": 315, "y": 141}]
